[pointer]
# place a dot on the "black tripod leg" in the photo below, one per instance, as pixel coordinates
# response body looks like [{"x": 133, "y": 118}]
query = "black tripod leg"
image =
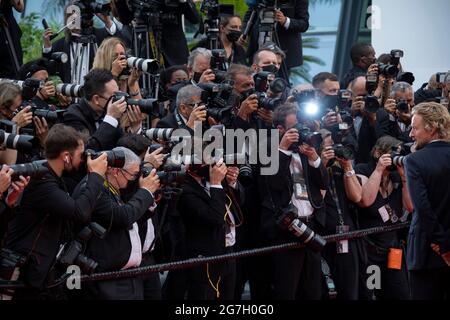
[{"x": 11, "y": 50}]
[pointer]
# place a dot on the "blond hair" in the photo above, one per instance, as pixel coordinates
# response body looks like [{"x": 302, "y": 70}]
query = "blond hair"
[
  {"x": 106, "y": 53},
  {"x": 436, "y": 116}
]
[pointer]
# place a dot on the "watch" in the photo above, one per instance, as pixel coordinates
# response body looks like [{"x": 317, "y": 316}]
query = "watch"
[{"x": 350, "y": 173}]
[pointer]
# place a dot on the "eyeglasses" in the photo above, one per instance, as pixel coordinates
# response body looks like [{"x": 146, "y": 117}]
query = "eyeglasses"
[
  {"x": 133, "y": 176},
  {"x": 195, "y": 105}
]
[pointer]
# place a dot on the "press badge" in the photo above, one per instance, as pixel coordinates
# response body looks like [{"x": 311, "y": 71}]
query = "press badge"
[
  {"x": 300, "y": 190},
  {"x": 384, "y": 213},
  {"x": 342, "y": 246}
]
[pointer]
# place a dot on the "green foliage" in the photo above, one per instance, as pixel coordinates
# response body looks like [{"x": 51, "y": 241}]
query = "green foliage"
[{"x": 31, "y": 37}]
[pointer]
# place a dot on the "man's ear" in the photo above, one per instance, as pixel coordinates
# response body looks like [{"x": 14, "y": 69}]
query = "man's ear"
[{"x": 255, "y": 67}]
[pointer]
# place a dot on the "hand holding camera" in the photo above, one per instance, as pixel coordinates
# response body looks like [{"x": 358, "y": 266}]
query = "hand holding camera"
[
  {"x": 98, "y": 165},
  {"x": 150, "y": 182},
  {"x": 327, "y": 155},
  {"x": 5, "y": 178},
  {"x": 384, "y": 162},
  {"x": 156, "y": 158},
  {"x": 46, "y": 36},
  {"x": 309, "y": 151},
  {"x": 198, "y": 114},
  {"x": 391, "y": 106},
  {"x": 265, "y": 115},
  {"x": 280, "y": 17},
  {"x": 248, "y": 106},
  {"x": 207, "y": 76},
  {"x": 357, "y": 107},
  {"x": 136, "y": 117},
  {"x": 290, "y": 137},
  {"x": 217, "y": 173},
  {"x": 17, "y": 188},
  {"x": 232, "y": 175},
  {"x": 116, "y": 109},
  {"x": 41, "y": 127},
  {"x": 118, "y": 65},
  {"x": 23, "y": 118},
  {"x": 48, "y": 90}
]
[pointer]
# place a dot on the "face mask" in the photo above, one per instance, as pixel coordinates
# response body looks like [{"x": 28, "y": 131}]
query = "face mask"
[
  {"x": 131, "y": 188},
  {"x": 270, "y": 68},
  {"x": 234, "y": 35},
  {"x": 197, "y": 76},
  {"x": 329, "y": 102}
]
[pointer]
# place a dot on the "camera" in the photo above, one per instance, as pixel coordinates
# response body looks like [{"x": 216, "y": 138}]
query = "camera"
[
  {"x": 219, "y": 64},
  {"x": 164, "y": 134},
  {"x": 70, "y": 90},
  {"x": 313, "y": 139},
  {"x": 371, "y": 83},
  {"x": 10, "y": 263},
  {"x": 288, "y": 219},
  {"x": 403, "y": 106},
  {"x": 169, "y": 173},
  {"x": 262, "y": 80},
  {"x": 391, "y": 70},
  {"x": 34, "y": 170},
  {"x": 52, "y": 117},
  {"x": 72, "y": 253},
  {"x": 304, "y": 96},
  {"x": 144, "y": 65},
  {"x": 115, "y": 158},
  {"x": 145, "y": 105},
  {"x": 344, "y": 151},
  {"x": 371, "y": 104},
  {"x": 29, "y": 86},
  {"x": 398, "y": 156},
  {"x": 217, "y": 98},
  {"x": 21, "y": 143}
]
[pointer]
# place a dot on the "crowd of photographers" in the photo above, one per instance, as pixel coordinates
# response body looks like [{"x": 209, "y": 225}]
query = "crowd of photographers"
[{"x": 87, "y": 179}]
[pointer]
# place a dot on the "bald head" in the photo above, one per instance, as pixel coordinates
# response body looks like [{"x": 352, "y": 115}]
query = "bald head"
[{"x": 358, "y": 86}]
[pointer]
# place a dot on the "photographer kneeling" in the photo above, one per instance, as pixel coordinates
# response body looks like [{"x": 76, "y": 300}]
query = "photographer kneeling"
[{"x": 121, "y": 247}]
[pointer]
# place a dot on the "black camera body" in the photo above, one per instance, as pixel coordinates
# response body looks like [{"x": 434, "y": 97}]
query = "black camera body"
[
  {"x": 398, "y": 156},
  {"x": 72, "y": 252},
  {"x": 169, "y": 173},
  {"x": 313, "y": 139},
  {"x": 115, "y": 158},
  {"x": 344, "y": 151},
  {"x": 288, "y": 219},
  {"x": 217, "y": 98},
  {"x": 371, "y": 104},
  {"x": 34, "y": 170},
  {"x": 219, "y": 64},
  {"x": 22, "y": 143},
  {"x": 145, "y": 105},
  {"x": 403, "y": 106},
  {"x": 391, "y": 70}
]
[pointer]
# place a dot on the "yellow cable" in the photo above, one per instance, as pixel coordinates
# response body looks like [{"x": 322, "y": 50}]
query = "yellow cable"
[{"x": 216, "y": 287}]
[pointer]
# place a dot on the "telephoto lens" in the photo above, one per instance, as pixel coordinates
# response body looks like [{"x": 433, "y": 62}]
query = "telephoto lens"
[
  {"x": 70, "y": 90},
  {"x": 159, "y": 134},
  {"x": 403, "y": 106},
  {"x": 34, "y": 170},
  {"x": 22, "y": 143},
  {"x": 144, "y": 65},
  {"x": 343, "y": 152},
  {"x": 115, "y": 158},
  {"x": 288, "y": 219}
]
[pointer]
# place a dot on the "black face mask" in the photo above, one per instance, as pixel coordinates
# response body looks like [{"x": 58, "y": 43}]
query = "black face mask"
[
  {"x": 197, "y": 76},
  {"x": 130, "y": 189},
  {"x": 234, "y": 35},
  {"x": 270, "y": 68}
]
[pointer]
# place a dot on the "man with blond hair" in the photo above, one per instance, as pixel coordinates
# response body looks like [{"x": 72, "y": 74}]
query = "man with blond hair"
[{"x": 428, "y": 171}]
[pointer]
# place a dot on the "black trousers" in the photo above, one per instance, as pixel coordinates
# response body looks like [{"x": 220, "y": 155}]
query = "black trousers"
[
  {"x": 118, "y": 289},
  {"x": 344, "y": 270},
  {"x": 394, "y": 283},
  {"x": 430, "y": 284},
  {"x": 297, "y": 274},
  {"x": 151, "y": 284},
  {"x": 212, "y": 281}
]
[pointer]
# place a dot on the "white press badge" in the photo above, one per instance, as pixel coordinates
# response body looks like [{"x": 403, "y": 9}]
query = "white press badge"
[
  {"x": 342, "y": 246},
  {"x": 300, "y": 190},
  {"x": 384, "y": 213}
]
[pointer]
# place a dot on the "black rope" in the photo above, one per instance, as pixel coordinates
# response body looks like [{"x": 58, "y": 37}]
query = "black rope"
[{"x": 193, "y": 262}]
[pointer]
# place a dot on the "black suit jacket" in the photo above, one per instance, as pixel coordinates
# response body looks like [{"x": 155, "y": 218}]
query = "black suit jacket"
[
  {"x": 428, "y": 171},
  {"x": 63, "y": 45},
  {"x": 203, "y": 217},
  {"x": 81, "y": 117},
  {"x": 37, "y": 229},
  {"x": 290, "y": 39},
  {"x": 112, "y": 252},
  {"x": 279, "y": 188}
]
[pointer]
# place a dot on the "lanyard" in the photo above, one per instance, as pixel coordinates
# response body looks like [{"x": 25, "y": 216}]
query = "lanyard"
[{"x": 334, "y": 195}]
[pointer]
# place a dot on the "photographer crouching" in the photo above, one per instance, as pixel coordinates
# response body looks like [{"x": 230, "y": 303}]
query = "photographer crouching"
[{"x": 292, "y": 207}]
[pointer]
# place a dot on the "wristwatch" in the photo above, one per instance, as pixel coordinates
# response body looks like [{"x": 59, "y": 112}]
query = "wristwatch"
[{"x": 350, "y": 173}]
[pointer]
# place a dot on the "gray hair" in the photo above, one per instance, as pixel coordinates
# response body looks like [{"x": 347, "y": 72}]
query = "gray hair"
[
  {"x": 185, "y": 94},
  {"x": 198, "y": 52},
  {"x": 400, "y": 87},
  {"x": 130, "y": 157}
]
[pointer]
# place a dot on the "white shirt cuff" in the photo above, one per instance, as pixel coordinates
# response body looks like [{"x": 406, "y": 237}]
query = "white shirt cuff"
[
  {"x": 111, "y": 120},
  {"x": 315, "y": 164},
  {"x": 217, "y": 186},
  {"x": 286, "y": 152},
  {"x": 288, "y": 22},
  {"x": 46, "y": 50},
  {"x": 112, "y": 30}
]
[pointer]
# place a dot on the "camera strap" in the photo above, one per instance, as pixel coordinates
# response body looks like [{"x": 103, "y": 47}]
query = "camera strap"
[
  {"x": 179, "y": 120},
  {"x": 341, "y": 246}
]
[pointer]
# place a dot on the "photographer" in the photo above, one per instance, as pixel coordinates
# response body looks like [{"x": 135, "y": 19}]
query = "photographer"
[
  {"x": 291, "y": 19},
  {"x": 9, "y": 67},
  {"x": 199, "y": 63},
  {"x": 327, "y": 86},
  {"x": 230, "y": 30},
  {"x": 344, "y": 191},
  {"x": 300, "y": 166},
  {"x": 190, "y": 109},
  {"x": 363, "y": 56},
  {"x": 209, "y": 209},
  {"x": 96, "y": 115},
  {"x": 385, "y": 199},
  {"x": 399, "y": 107},
  {"x": 428, "y": 254},
  {"x": 121, "y": 248},
  {"x": 46, "y": 208},
  {"x": 265, "y": 60},
  {"x": 72, "y": 44}
]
